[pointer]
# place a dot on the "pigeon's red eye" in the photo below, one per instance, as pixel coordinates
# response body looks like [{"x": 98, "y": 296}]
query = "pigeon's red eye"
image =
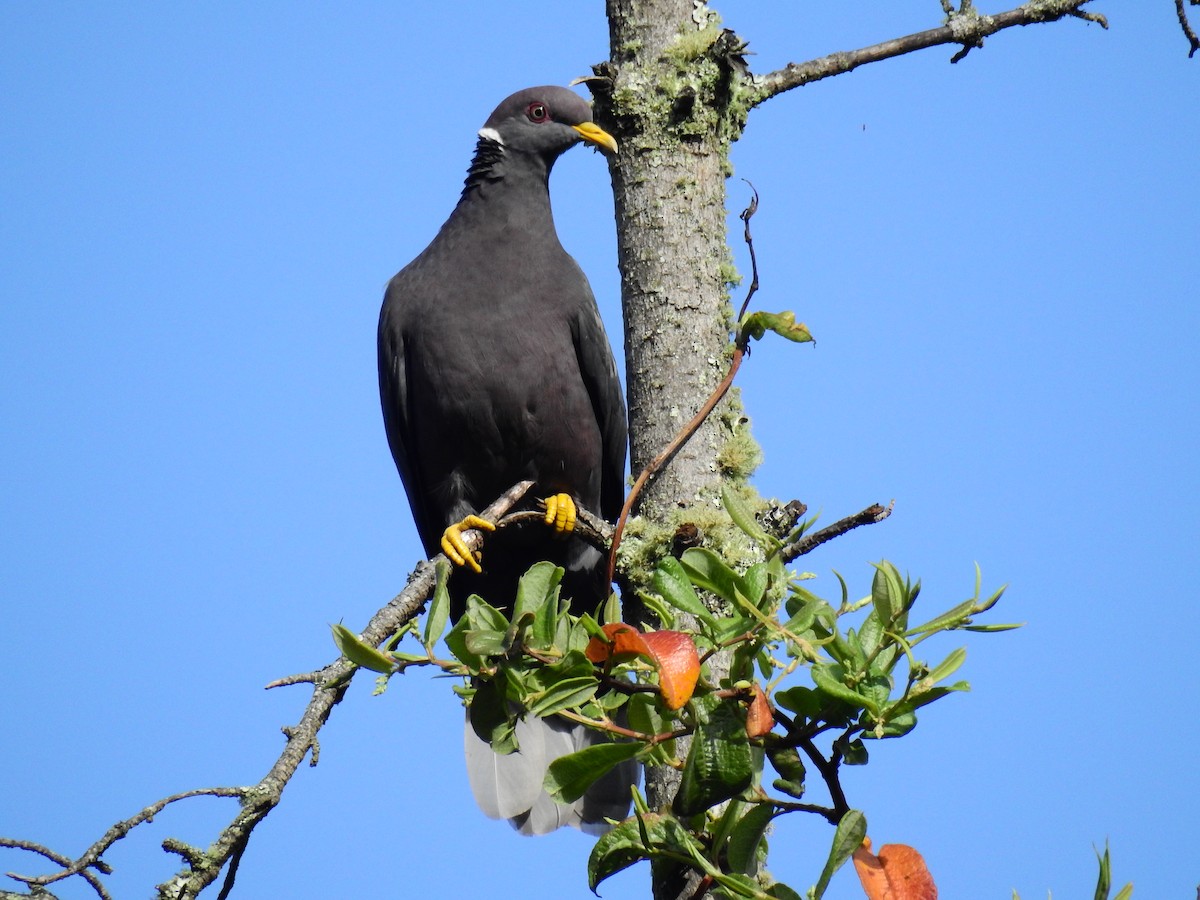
[{"x": 537, "y": 112}]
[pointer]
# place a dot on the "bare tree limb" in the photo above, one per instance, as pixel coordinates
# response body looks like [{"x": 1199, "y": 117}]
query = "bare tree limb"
[
  {"x": 329, "y": 685},
  {"x": 809, "y": 542},
  {"x": 966, "y": 27},
  {"x": 91, "y": 857}
]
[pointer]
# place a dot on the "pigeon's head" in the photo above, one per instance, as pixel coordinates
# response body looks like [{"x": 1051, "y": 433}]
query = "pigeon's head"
[{"x": 546, "y": 121}]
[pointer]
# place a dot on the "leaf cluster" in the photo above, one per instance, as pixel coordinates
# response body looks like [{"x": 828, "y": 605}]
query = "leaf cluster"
[
  {"x": 834, "y": 676},
  {"x": 810, "y": 684}
]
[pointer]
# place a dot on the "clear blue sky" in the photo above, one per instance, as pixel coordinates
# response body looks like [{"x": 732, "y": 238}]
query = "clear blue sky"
[{"x": 199, "y": 208}]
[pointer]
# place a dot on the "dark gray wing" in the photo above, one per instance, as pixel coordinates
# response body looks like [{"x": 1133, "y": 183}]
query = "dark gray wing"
[
  {"x": 599, "y": 373},
  {"x": 397, "y": 418}
]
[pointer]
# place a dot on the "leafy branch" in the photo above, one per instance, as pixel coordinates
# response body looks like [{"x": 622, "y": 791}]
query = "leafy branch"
[{"x": 812, "y": 683}]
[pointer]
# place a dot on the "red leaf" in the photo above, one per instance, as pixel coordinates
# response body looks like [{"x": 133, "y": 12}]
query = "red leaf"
[
  {"x": 678, "y": 665},
  {"x": 759, "y": 718},
  {"x": 672, "y": 652},
  {"x": 897, "y": 873},
  {"x": 624, "y": 642}
]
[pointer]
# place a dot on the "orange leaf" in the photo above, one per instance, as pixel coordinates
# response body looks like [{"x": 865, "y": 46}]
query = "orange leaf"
[
  {"x": 678, "y": 665},
  {"x": 897, "y": 873},
  {"x": 623, "y": 641},
  {"x": 759, "y": 718}
]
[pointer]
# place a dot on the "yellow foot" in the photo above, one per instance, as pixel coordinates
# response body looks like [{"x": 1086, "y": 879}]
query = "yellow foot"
[
  {"x": 560, "y": 514},
  {"x": 455, "y": 546}
]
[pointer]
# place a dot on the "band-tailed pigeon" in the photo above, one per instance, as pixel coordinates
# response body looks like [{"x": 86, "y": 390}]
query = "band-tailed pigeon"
[{"x": 494, "y": 368}]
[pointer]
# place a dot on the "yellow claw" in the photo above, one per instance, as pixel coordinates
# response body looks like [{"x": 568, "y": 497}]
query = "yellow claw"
[
  {"x": 455, "y": 546},
  {"x": 561, "y": 514}
]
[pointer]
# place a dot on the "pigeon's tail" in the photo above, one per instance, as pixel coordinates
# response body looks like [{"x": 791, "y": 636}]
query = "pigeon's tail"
[{"x": 509, "y": 786}]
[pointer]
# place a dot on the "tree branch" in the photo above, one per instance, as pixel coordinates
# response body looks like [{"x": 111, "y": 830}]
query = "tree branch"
[
  {"x": 966, "y": 27},
  {"x": 330, "y": 683},
  {"x": 1188, "y": 33},
  {"x": 809, "y": 542}
]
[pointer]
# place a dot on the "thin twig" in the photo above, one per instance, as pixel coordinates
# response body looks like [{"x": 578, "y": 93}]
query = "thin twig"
[
  {"x": 829, "y": 814},
  {"x": 621, "y": 731},
  {"x": 809, "y": 542},
  {"x": 746, "y": 215},
  {"x": 1193, "y": 41},
  {"x": 59, "y": 859}
]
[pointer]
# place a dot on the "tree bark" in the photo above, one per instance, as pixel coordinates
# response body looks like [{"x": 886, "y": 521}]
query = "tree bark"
[
  {"x": 665, "y": 95},
  {"x": 669, "y": 187}
]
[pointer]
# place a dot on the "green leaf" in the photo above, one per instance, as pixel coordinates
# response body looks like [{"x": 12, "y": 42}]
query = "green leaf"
[
  {"x": 743, "y": 517},
  {"x": 781, "y": 891},
  {"x": 646, "y": 835},
  {"x": 359, "y": 653},
  {"x": 439, "y": 607},
  {"x": 871, "y": 634},
  {"x": 612, "y": 608},
  {"x": 896, "y": 725},
  {"x": 488, "y": 714},
  {"x": 803, "y": 614},
  {"x": 569, "y": 777},
  {"x": 671, "y": 581},
  {"x": 877, "y": 688},
  {"x": 829, "y": 678},
  {"x": 572, "y": 665},
  {"x": 846, "y": 839},
  {"x": 456, "y": 641},
  {"x": 882, "y": 593},
  {"x": 756, "y": 324},
  {"x": 733, "y": 626},
  {"x": 1105, "y": 880},
  {"x": 535, "y": 588},
  {"x": 754, "y": 584},
  {"x": 791, "y": 788},
  {"x": 486, "y": 643},
  {"x": 719, "y": 763},
  {"x": 658, "y": 608},
  {"x": 892, "y": 596},
  {"x": 564, "y": 694},
  {"x": 916, "y": 700},
  {"x": 646, "y": 716},
  {"x": 401, "y": 656},
  {"x": 845, "y": 651},
  {"x": 618, "y": 849},
  {"x": 803, "y": 701},
  {"x": 945, "y": 668},
  {"x": 742, "y": 851},
  {"x": 948, "y": 620},
  {"x": 737, "y": 886},
  {"x": 483, "y": 615},
  {"x": 989, "y": 629},
  {"x": 786, "y": 761},
  {"x": 709, "y": 571},
  {"x": 854, "y": 753}
]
